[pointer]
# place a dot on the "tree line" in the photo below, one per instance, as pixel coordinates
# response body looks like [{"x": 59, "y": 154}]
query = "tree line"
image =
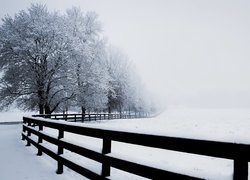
[{"x": 54, "y": 62}]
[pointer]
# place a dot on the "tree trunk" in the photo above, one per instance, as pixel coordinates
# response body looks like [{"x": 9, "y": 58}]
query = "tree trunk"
[
  {"x": 41, "y": 109},
  {"x": 83, "y": 113},
  {"x": 83, "y": 110},
  {"x": 47, "y": 109},
  {"x": 40, "y": 101},
  {"x": 120, "y": 108}
]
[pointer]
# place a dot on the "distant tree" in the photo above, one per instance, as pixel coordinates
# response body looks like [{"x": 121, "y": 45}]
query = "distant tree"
[
  {"x": 118, "y": 67},
  {"x": 87, "y": 57},
  {"x": 33, "y": 52},
  {"x": 126, "y": 90}
]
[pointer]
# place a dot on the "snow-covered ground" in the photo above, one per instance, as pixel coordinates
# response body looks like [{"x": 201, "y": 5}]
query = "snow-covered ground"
[
  {"x": 230, "y": 125},
  {"x": 14, "y": 115},
  {"x": 214, "y": 124},
  {"x": 18, "y": 162}
]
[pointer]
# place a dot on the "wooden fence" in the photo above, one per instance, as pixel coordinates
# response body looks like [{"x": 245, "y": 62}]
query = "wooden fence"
[
  {"x": 92, "y": 117},
  {"x": 239, "y": 153}
]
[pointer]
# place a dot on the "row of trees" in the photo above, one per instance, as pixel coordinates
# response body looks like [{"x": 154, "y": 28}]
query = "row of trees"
[{"x": 52, "y": 62}]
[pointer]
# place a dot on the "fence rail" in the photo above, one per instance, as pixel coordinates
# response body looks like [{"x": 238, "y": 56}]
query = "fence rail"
[
  {"x": 91, "y": 117},
  {"x": 239, "y": 153}
]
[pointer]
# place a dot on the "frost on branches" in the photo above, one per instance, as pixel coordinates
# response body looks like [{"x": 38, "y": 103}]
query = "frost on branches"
[{"x": 54, "y": 62}]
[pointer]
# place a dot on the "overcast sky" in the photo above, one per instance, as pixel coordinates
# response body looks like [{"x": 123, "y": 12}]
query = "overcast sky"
[{"x": 189, "y": 52}]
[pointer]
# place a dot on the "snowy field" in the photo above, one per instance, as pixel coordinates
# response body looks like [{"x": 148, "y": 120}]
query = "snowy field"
[
  {"x": 13, "y": 116},
  {"x": 18, "y": 162},
  {"x": 231, "y": 125}
]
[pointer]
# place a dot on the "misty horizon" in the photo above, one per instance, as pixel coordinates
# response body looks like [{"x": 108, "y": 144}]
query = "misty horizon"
[{"x": 188, "y": 53}]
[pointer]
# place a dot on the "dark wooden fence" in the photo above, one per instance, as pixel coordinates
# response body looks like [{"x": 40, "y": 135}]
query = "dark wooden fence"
[
  {"x": 239, "y": 153},
  {"x": 92, "y": 117}
]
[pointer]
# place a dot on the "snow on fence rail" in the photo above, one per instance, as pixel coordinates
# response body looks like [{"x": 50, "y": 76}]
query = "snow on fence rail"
[
  {"x": 237, "y": 152},
  {"x": 92, "y": 117}
]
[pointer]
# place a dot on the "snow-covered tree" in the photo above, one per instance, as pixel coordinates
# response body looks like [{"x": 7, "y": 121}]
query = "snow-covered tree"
[
  {"x": 117, "y": 64},
  {"x": 89, "y": 74},
  {"x": 126, "y": 91},
  {"x": 51, "y": 62},
  {"x": 33, "y": 52}
]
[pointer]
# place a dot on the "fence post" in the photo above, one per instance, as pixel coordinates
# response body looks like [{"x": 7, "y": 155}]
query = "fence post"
[
  {"x": 24, "y": 122},
  {"x": 240, "y": 169},
  {"x": 106, "y": 148},
  {"x": 40, "y": 140},
  {"x": 83, "y": 116},
  {"x": 59, "y": 152},
  {"x": 28, "y": 134},
  {"x": 22, "y": 135}
]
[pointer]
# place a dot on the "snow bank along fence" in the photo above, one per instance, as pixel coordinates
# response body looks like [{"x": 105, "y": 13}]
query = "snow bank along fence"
[
  {"x": 239, "y": 153},
  {"x": 92, "y": 117}
]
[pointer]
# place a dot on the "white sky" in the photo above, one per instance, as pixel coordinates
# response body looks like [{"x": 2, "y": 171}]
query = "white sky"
[{"x": 189, "y": 52}]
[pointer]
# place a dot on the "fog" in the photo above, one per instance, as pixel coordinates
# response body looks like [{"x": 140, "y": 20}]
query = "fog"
[{"x": 189, "y": 53}]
